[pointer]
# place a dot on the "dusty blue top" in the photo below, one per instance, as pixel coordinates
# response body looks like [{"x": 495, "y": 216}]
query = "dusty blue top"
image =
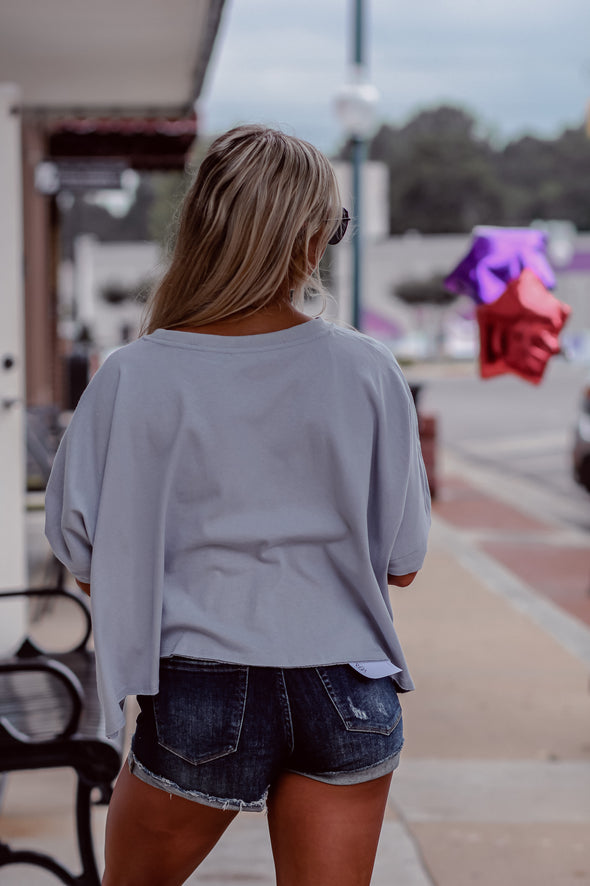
[{"x": 240, "y": 498}]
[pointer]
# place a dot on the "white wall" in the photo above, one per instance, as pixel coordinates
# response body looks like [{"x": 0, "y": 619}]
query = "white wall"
[{"x": 12, "y": 409}]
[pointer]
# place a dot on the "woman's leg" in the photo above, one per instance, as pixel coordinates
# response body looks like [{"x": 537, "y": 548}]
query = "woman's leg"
[
  {"x": 325, "y": 833},
  {"x": 154, "y": 838}
]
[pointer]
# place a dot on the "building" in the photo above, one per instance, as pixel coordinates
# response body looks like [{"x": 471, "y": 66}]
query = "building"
[{"x": 86, "y": 91}]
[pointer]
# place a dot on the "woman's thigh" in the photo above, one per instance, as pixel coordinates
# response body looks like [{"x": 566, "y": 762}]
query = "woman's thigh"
[
  {"x": 326, "y": 813},
  {"x": 154, "y": 838},
  {"x": 325, "y": 833}
]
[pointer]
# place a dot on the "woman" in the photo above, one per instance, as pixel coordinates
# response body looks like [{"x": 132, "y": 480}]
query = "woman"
[{"x": 237, "y": 488}]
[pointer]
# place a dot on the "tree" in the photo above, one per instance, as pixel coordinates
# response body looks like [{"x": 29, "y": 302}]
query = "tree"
[
  {"x": 446, "y": 176},
  {"x": 547, "y": 178},
  {"x": 442, "y": 177}
]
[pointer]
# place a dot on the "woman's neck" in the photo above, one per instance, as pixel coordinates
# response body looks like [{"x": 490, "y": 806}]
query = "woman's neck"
[{"x": 272, "y": 318}]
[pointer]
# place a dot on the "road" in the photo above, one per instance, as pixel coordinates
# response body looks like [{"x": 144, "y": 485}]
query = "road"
[{"x": 515, "y": 436}]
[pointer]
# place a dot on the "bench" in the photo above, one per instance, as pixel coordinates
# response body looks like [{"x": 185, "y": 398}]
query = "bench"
[{"x": 50, "y": 717}]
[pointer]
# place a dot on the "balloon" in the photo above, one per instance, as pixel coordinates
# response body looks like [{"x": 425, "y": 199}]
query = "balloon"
[
  {"x": 497, "y": 256},
  {"x": 519, "y": 331}
]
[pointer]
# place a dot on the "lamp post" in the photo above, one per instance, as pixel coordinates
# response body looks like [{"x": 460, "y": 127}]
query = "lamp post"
[{"x": 355, "y": 107}]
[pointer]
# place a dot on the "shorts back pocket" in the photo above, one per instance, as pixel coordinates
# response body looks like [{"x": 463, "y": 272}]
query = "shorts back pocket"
[
  {"x": 364, "y": 705},
  {"x": 200, "y": 707}
]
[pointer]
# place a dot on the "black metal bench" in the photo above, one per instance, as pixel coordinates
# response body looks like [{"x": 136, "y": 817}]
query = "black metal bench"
[{"x": 50, "y": 717}]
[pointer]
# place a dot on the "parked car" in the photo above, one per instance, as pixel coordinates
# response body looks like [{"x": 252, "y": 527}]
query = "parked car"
[{"x": 581, "y": 450}]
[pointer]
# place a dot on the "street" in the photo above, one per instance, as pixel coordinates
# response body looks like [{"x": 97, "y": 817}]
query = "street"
[{"x": 514, "y": 436}]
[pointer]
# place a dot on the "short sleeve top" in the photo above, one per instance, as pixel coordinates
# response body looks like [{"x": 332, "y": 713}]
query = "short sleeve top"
[{"x": 240, "y": 498}]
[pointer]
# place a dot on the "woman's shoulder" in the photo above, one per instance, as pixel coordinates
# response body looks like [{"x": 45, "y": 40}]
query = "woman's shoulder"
[
  {"x": 118, "y": 360},
  {"x": 363, "y": 348},
  {"x": 116, "y": 365},
  {"x": 370, "y": 363}
]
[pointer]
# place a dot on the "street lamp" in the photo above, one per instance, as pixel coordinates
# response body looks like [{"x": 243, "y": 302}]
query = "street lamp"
[{"x": 355, "y": 105}]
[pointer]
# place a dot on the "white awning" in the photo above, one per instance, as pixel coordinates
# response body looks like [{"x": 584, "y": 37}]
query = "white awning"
[{"x": 113, "y": 57}]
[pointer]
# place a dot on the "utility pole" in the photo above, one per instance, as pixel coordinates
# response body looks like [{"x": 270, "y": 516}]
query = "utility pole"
[{"x": 355, "y": 106}]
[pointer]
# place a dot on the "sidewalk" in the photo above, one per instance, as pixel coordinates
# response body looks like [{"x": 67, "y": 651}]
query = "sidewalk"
[{"x": 494, "y": 783}]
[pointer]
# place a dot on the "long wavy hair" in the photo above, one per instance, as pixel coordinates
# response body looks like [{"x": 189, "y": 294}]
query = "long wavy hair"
[{"x": 258, "y": 199}]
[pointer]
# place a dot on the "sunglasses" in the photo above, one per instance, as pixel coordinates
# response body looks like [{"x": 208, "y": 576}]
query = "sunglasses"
[{"x": 341, "y": 229}]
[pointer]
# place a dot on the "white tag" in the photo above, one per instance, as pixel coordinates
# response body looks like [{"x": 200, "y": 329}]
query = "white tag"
[{"x": 375, "y": 669}]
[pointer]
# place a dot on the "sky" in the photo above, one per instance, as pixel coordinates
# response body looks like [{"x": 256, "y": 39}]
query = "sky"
[{"x": 519, "y": 66}]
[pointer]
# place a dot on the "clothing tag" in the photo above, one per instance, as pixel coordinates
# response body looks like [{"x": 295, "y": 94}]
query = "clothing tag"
[{"x": 375, "y": 669}]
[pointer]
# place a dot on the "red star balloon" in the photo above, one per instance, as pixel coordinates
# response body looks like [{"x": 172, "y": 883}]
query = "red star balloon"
[{"x": 519, "y": 331}]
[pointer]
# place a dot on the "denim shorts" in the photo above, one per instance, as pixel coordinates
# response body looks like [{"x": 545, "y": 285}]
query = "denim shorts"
[{"x": 221, "y": 734}]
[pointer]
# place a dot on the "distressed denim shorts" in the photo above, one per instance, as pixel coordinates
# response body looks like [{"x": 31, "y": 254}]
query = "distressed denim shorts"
[{"x": 221, "y": 734}]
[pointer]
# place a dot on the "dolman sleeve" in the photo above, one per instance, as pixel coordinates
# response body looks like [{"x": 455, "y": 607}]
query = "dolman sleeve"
[
  {"x": 105, "y": 509},
  {"x": 409, "y": 549},
  {"x": 73, "y": 491},
  {"x": 402, "y": 475}
]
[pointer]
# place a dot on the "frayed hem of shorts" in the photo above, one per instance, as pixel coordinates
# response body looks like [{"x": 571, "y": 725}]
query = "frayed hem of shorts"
[
  {"x": 358, "y": 776},
  {"x": 227, "y": 804}
]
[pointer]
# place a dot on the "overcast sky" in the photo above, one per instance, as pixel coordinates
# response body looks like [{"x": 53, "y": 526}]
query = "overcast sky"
[{"x": 518, "y": 65}]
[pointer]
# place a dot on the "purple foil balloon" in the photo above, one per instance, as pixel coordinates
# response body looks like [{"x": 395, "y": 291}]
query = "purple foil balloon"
[{"x": 497, "y": 256}]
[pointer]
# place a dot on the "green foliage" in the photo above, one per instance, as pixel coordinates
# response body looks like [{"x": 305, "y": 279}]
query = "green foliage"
[
  {"x": 548, "y": 179},
  {"x": 446, "y": 176}
]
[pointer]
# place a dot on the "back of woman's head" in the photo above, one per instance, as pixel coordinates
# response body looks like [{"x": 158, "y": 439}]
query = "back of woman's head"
[{"x": 259, "y": 198}]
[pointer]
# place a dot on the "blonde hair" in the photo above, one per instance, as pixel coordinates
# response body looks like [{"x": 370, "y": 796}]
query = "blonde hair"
[{"x": 258, "y": 199}]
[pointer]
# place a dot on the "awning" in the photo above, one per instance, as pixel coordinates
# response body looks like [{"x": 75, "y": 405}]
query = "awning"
[
  {"x": 143, "y": 143},
  {"x": 140, "y": 58}
]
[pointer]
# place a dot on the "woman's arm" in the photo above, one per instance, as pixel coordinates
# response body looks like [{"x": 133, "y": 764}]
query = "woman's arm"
[{"x": 400, "y": 581}]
